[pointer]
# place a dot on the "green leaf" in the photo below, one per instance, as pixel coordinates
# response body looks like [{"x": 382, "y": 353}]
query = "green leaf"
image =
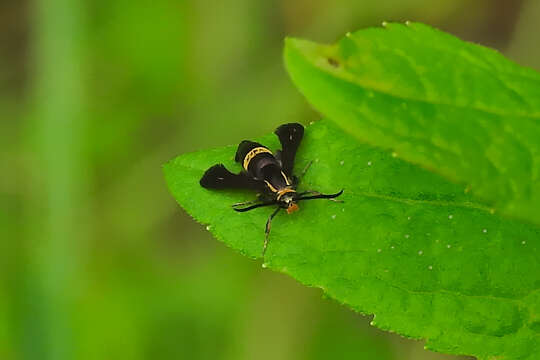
[
  {"x": 459, "y": 109},
  {"x": 406, "y": 245}
]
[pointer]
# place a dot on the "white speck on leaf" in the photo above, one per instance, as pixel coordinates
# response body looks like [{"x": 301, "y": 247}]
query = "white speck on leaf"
[
  {"x": 449, "y": 246},
  {"x": 208, "y": 228},
  {"x": 333, "y": 216},
  {"x": 341, "y": 162},
  {"x": 379, "y": 250},
  {"x": 369, "y": 163},
  {"x": 430, "y": 267},
  {"x": 420, "y": 252},
  {"x": 450, "y": 216},
  {"x": 484, "y": 231},
  {"x": 407, "y": 236}
]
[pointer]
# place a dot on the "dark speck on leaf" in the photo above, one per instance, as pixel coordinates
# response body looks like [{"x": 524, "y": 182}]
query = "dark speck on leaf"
[{"x": 333, "y": 62}]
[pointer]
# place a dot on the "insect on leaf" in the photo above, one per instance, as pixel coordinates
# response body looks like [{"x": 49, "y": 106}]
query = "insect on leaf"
[{"x": 406, "y": 245}]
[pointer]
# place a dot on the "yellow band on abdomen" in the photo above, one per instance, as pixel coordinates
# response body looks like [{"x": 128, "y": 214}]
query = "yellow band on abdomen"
[{"x": 254, "y": 152}]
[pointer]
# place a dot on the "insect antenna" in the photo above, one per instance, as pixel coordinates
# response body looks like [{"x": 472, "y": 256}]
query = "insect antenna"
[
  {"x": 255, "y": 206},
  {"x": 321, "y": 196}
]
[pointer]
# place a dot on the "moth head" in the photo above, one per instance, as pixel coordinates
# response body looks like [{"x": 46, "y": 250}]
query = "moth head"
[{"x": 289, "y": 200}]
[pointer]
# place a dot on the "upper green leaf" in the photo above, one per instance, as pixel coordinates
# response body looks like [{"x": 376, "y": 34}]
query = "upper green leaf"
[
  {"x": 459, "y": 109},
  {"x": 407, "y": 245}
]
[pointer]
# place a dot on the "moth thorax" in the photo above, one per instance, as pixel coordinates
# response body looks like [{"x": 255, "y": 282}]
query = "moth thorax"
[{"x": 286, "y": 195}]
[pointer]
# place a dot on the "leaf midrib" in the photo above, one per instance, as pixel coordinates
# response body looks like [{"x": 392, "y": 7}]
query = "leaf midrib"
[
  {"x": 404, "y": 200},
  {"x": 409, "y": 201}
]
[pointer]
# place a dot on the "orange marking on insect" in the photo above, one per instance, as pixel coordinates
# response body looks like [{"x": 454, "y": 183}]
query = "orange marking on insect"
[{"x": 292, "y": 208}]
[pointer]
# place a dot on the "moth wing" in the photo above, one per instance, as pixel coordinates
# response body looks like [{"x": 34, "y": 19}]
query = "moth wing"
[
  {"x": 244, "y": 148},
  {"x": 290, "y": 136},
  {"x": 218, "y": 177}
]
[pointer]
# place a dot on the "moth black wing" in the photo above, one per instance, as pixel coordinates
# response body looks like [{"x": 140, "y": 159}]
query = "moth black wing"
[
  {"x": 218, "y": 177},
  {"x": 290, "y": 136},
  {"x": 244, "y": 148}
]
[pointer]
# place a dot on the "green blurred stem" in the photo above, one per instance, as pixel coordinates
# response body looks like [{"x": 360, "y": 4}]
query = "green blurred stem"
[{"x": 58, "y": 182}]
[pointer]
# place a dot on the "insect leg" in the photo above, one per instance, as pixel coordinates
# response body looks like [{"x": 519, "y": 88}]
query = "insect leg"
[
  {"x": 248, "y": 202},
  {"x": 296, "y": 179},
  {"x": 245, "y": 203},
  {"x": 309, "y": 192},
  {"x": 267, "y": 229},
  {"x": 306, "y": 168},
  {"x": 312, "y": 192}
]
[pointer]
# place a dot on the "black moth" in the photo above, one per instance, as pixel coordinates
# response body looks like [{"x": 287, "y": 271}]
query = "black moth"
[{"x": 271, "y": 176}]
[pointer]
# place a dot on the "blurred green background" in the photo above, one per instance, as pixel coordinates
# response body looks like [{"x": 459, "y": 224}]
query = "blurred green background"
[{"x": 97, "y": 261}]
